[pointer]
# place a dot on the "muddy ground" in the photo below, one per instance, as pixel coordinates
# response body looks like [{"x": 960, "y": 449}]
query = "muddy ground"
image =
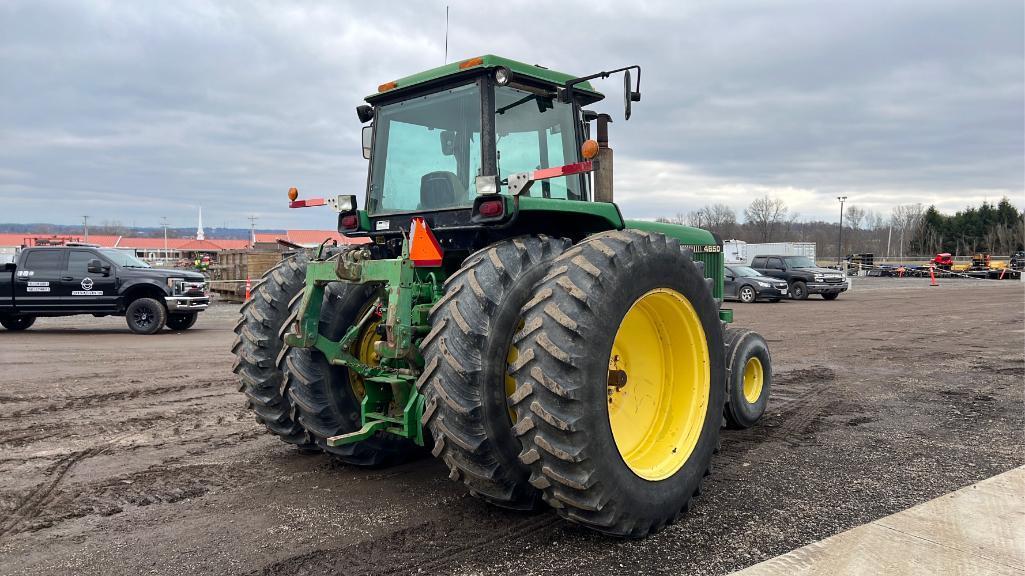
[{"x": 124, "y": 454}]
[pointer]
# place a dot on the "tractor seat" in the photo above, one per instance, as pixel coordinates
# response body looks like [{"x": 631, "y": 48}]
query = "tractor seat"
[{"x": 440, "y": 190}]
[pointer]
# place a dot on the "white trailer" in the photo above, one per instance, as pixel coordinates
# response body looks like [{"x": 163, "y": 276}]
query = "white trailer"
[{"x": 740, "y": 252}]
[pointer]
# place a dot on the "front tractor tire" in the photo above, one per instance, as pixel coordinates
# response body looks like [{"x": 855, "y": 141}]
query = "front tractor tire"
[
  {"x": 327, "y": 398},
  {"x": 620, "y": 382},
  {"x": 465, "y": 380},
  {"x": 749, "y": 377},
  {"x": 259, "y": 345}
]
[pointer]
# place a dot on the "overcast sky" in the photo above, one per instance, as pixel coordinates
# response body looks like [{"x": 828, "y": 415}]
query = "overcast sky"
[{"x": 131, "y": 111}]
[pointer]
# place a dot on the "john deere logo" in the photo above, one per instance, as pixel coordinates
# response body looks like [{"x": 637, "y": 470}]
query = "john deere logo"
[{"x": 87, "y": 284}]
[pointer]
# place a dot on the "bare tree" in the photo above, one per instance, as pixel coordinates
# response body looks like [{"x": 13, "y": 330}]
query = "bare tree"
[
  {"x": 765, "y": 215},
  {"x": 718, "y": 218},
  {"x": 905, "y": 218}
]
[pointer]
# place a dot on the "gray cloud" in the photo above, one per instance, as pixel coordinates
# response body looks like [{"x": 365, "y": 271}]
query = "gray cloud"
[{"x": 132, "y": 111}]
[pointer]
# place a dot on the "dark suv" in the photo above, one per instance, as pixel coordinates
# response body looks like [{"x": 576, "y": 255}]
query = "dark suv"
[{"x": 802, "y": 275}]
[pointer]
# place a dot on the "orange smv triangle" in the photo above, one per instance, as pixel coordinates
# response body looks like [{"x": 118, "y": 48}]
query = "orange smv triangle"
[{"x": 424, "y": 249}]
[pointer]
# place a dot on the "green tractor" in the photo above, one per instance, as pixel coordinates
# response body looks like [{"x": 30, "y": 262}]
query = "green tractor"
[{"x": 502, "y": 313}]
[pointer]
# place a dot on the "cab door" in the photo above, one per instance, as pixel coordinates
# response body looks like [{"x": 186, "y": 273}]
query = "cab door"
[
  {"x": 774, "y": 267},
  {"x": 729, "y": 285},
  {"x": 37, "y": 280},
  {"x": 89, "y": 290}
]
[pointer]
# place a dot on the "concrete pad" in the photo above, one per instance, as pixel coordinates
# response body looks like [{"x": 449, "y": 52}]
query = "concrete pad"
[{"x": 977, "y": 530}]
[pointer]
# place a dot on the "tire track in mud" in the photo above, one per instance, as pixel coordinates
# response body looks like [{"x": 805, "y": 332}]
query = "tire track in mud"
[
  {"x": 36, "y": 500},
  {"x": 800, "y": 398},
  {"x": 426, "y": 546},
  {"x": 104, "y": 400}
]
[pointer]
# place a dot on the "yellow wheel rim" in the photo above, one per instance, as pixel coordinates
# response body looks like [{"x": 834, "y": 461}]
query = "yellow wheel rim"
[
  {"x": 510, "y": 382},
  {"x": 754, "y": 379},
  {"x": 659, "y": 382},
  {"x": 363, "y": 349}
]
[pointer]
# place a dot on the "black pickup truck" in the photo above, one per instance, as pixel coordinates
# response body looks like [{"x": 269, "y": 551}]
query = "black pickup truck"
[
  {"x": 802, "y": 275},
  {"x": 87, "y": 279}
]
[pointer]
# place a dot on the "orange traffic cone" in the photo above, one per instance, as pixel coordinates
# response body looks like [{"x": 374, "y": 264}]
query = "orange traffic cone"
[
  {"x": 249, "y": 286},
  {"x": 932, "y": 276}
]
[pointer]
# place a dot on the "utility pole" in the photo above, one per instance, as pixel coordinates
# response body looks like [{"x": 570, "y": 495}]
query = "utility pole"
[
  {"x": 85, "y": 227},
  {"x": 252, "y": 230},
  {"x": 839, "y": 241},
  {"x": 163, "y": 222}
]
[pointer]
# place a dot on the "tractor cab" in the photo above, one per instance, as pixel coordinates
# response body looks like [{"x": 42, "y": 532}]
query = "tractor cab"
[{"x": 444, "y": 142}]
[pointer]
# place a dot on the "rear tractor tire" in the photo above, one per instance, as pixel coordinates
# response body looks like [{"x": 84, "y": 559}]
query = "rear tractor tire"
[
  {"x": 620, "y": 382},
  {"x": 749, "y": 377},
  {"x": 466, "y": 381},
  {"x": 327, "y": 398},
  {"x": 259, "y": 346}
]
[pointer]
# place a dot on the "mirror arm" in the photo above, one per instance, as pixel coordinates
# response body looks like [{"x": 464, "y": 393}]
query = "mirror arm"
[{"x": 567, "y": 94}]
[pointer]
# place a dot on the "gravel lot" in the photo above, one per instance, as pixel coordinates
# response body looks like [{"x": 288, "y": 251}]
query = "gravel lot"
[{"x": 124, "y": 454}]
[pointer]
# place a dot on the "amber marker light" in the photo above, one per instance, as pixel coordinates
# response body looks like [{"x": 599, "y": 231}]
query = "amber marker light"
[
  {"x": 293, "y": 193},
  {"x": 589, "y": 149},
  {"x": 471, "y": 63},
  {"x": 386, "y": 86}
]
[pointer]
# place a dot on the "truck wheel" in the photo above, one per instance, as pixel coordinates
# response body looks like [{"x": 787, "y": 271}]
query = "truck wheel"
[
  {"x": 17, "y": 323},
  {"x": 259, "y": 345},
  {"x": 181, "y": 321},
  {"x": 830, "y": 296},
  {"x": 799, "y": 291},
  {"x": 749, "y": 377},
  {"x": 747, "y": 294},
  {"x": 620, "y": 382},
  {"x": 146, "y": 316},
  {"x": 466, "y": 382},
  {"x": 327, "y": 398}
]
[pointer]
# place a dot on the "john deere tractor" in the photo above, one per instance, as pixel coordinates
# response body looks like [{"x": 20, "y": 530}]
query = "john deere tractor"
[{"x": 496, "y": 308}]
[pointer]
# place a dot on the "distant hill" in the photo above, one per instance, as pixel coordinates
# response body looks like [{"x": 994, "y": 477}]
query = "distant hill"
[{"x": 211, "y": 233}]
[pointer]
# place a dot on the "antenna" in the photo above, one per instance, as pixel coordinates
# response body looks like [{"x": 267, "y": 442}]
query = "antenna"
[
  {"x": 446, "y": 33},
  {"x": 252, "y": 230}
]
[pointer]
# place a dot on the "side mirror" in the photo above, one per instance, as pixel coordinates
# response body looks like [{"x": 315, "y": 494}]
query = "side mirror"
[
  {"x": 368, "y": 139},
  {"x": 94, "y": 267},
  {"x": 629, "y": 96},
  {"x": 448, "y": 142}
]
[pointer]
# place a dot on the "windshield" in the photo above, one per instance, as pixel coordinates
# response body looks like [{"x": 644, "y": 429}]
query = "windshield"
[
  {"x": 123, "y": 258},
  {"x": 800, "y": 262},
  {"x": 744, "y": 271},
  {"x": 426, "y": 152},
  {"x": 535, "y": 132}
]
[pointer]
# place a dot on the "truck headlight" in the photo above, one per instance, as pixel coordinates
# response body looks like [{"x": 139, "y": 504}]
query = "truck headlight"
[
  {"x": 173, "y": 284},
  {"x": 819, "y": 277}
]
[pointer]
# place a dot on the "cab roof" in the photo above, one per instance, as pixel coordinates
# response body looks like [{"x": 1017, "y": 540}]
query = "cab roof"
[{"x": 530, "y": 71}]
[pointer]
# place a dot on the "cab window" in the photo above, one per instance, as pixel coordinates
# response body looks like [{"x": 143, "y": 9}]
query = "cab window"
[
  {"x": 44, "y": 260},
  {"x": 427, "y": 152},
  {"x": 78, "y": 262},
  {"x": 534, "y": 132}
]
